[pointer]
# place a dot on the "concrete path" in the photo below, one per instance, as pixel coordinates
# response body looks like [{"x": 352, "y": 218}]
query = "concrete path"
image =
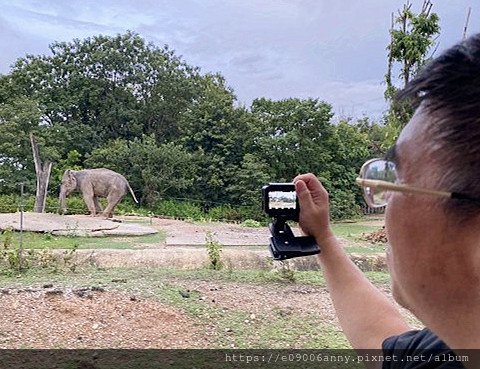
[{"x": 73, "y": 225}]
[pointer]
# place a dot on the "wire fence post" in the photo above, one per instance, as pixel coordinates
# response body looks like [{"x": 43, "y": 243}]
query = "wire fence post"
[{"x": 20, "y": 250}]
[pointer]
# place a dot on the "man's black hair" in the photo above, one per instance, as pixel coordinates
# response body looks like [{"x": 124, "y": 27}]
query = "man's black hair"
[{"x": 448, "y": 90}]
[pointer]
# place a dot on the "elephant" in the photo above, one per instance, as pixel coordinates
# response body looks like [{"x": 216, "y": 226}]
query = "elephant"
[{"x": 95, "y": 183}]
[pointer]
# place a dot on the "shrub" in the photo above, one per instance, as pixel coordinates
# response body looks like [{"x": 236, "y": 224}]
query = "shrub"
[
  {"x": 225, "y": 212},
  {"x": 237, "y": 213},
  {"x": 251, "y": 223},
  {"x": 214, "y": 249},
  {"x": 343, "y": 205},
  {"x": 8, "y": 203},
  {"x": 178, "y": 209}
]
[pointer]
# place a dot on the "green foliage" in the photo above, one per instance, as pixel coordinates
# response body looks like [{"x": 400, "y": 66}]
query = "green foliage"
[
  {"x": 72, "y": 162},
  {"x": 216, "y": 133},
  {"x": 293, "y": 136},
  {"x": 153, "y": 170},
  {"x": 235, "y": 214},
  {"x": 343, "y": 205},
  {"x": 214, "y": 249},
  {"x": 412, "y": 36},
  {"x": 18, "y": 117},
  {"x": 121, "y": 103},
  {"x": 285, "y": 272},
  {"x": 178, "y": 209},
  {"x": 11, "y": 204},
  {"x": 14, "y": 258},
  {"x": 251, "y": 223},
  {"x": 7, "y": 239},
  {"x": 226, "y": 212}
]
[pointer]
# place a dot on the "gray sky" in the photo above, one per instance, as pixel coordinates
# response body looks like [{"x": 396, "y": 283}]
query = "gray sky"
[{"x": 332, "y": 50}]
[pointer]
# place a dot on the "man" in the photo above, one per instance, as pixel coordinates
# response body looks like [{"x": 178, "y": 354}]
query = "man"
[{"x": 432, "y": 221}]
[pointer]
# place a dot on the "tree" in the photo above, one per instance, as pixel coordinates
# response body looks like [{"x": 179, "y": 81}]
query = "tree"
[
  {"x": 17, "y": 120},
  {"x": 103, "y": 88},
  {"x": 216, "y": 133},
  {"x": 154, "y": 171},
  {"x": 412, "y": 37},
  {"x": 292, "y": 135},
  {"x": 42, "y": 171}
]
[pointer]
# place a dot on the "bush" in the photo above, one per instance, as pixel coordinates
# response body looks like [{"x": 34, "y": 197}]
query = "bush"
[
  {"x": 128, "y": 207},
  {"x": 225, "y": 212},
  {"x": 236, "y": 214},
  {"x": 251, "y": 223},
  {"x": 178, "y": 209},
  {"x": 14, "y": 259},
  {"x": 214, "y": 249},
  {"x": 9, "y": 203},
  {"x": 76, "y": 205},
  {"x": 343, "y": 205}
]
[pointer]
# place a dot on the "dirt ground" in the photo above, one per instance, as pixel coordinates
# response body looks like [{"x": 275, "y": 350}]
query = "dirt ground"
[
  {"x": 50, "y": 316},
  {"x": 84, "y": 318},
  {"x": 53, "y": 317},
  {"x": 180, "y": 233}
]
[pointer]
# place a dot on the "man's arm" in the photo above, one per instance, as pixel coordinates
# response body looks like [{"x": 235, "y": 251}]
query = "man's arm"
[{"x": 366, "y": 315}]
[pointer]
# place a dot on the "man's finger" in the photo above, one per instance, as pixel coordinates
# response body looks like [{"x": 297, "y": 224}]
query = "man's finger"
[
  {"x": 303, "y": 193},
  {"x": 312, "y": 182}
]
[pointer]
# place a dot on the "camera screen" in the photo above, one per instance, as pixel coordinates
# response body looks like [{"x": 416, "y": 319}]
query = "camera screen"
[{"x": 282, "y": 200}]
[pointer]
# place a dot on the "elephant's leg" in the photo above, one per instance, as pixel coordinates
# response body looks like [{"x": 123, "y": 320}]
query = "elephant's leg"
[
  {"x": 98, "y": 206},
  {"x": 113, "y": 200},
  {"x": 88, "y": 198}
]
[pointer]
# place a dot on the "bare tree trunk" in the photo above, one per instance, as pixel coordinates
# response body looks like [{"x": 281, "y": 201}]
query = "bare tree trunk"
[
  {"x": 43, "y": 176},
  {"x": 466, "y": 23}
]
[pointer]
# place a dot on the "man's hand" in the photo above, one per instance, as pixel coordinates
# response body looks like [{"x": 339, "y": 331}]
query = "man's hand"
[{"x": 314, "y": 207}]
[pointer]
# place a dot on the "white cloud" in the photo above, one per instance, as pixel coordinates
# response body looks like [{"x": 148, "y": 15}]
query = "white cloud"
[{"x": 273, "y": 48}]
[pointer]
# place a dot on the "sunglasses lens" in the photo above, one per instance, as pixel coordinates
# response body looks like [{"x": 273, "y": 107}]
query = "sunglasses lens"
[{"x": 379, "y": 170}]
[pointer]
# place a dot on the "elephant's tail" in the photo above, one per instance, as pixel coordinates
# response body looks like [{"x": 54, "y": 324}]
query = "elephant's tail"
[{"x": 133, "y": 194}]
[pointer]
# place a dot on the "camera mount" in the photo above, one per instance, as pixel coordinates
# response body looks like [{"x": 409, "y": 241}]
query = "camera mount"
[{"x": 284, "y": 244}]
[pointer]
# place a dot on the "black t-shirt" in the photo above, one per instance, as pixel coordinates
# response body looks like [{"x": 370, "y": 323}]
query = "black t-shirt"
[{"x": 419, "y": 349}]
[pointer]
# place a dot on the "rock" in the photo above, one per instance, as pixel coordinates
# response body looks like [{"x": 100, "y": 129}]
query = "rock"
[
  {"x": 48, "y": 285},
  {"x": 120, "y": 280},
  {"x": 54, "y": 292},
  {"x": 185, "y": 294}
]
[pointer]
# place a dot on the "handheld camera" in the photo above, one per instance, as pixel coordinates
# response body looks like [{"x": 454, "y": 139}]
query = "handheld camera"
[{"x": 279, "y": 201}]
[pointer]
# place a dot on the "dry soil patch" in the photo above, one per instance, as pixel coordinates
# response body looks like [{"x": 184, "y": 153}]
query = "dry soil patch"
[{"x": 82, "y": 318}]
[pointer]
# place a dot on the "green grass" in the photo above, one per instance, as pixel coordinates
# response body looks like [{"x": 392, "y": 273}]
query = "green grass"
[
  {"x": 352, "y": 231},
  {"x": 91, "y": 275},
  {"x": 33, "y": 240}
]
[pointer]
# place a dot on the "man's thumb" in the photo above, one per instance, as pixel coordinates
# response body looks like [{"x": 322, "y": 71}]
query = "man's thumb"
[{"x": 304, "y": 196}]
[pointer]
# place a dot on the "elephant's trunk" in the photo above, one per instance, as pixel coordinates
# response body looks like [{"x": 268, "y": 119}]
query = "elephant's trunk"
[{"x": 62, "y": 197}]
